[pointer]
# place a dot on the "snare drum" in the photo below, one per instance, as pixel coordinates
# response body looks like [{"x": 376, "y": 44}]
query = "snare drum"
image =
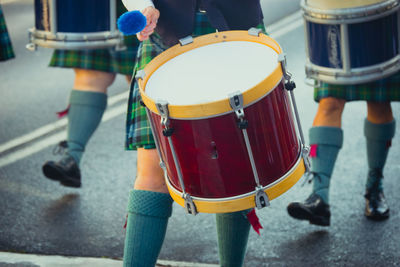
[
  {"x": 222, "y": 121},
  {"x": 75, "y": 24},
  {"x": 351, "y": 41}
]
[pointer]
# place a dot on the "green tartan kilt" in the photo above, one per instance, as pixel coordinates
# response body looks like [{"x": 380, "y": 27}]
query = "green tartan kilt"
[
  {"x": 6, "y": 50},
  {"x": 107, "y": 60},
  {"x": 138, "y": 129},
  {"x": 383, "y": 90}
]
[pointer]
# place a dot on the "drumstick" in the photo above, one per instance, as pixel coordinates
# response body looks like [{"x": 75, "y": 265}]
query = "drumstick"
[{"x": 131, "y": 22}]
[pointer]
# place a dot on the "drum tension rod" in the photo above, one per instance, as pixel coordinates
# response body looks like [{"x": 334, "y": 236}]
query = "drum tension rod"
[
  {"x": 289, "y": 86},
  {"x": 162, "y": 107},
  {"x": 236, "y": 102}
]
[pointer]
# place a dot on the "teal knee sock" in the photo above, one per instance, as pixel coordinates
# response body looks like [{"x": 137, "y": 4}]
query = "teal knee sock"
[
  {"x": 378, "y": 138},
  {"x": 328, "y": 141},
  {"x": 148, "y": 214},
  {"x": 84, "y": 115},
  {"x": 233, "y": 232}
]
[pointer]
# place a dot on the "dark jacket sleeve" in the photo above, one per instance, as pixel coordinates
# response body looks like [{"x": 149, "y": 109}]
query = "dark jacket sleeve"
[{"x": 177, "y": 16}]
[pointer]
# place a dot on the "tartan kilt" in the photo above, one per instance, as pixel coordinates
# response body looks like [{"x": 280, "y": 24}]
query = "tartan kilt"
[
  {"x": 387, "y": 89},
  {"x": 138, "y": 129},
  {"x": 6, "y": 50},
  {"x": 107, "y": 60}
]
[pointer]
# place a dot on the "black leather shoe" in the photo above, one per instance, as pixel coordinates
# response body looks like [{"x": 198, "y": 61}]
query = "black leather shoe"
[
  {"x": 314, "y": 209},
  {"x": 66, "y": 171},
  {"x": 376, "y": 207}
]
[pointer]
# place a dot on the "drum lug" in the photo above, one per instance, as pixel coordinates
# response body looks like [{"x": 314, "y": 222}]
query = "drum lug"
[
  {"x": 236, "y": 102},
  {"x": 31, "y": 46},
  {"x": 289, "y": 85},
  {"x": 140, "y": 75},
  {"x": 167, "y": 132},
  {"x": 254, "y": 31},
  {"x": 162, "y": 107},
  {"x": 262, "y": 199},
  {"x": 186, "y": 40},
  {"x": 189, "y": 204}
]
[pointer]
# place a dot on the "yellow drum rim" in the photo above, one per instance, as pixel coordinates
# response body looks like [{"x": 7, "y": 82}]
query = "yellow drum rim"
[
  {"x": 247, "y": 202},
  {"x": 221, "y": 106},
  {"x": 339, "y": 4}
]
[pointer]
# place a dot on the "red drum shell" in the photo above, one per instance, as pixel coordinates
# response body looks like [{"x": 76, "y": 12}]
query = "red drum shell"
[{"x": 212, "y": 152}]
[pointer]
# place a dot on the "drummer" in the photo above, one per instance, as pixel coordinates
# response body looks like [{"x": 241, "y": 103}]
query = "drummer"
[
  {"x": 150, "y": 205},
  {"x": 326, "y": 139},
  {"x": 95, "y": 71},
  {"x": 6, "y": 50}
]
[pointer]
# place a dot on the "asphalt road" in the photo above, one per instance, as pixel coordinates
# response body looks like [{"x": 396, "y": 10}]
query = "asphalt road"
[{"x": 41, "y": 217}]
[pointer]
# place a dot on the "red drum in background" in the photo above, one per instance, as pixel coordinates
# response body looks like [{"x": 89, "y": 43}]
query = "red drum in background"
[{"x": 223, "y": 121}]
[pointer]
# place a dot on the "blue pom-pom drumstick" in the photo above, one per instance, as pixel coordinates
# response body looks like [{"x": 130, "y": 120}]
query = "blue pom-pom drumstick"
[{"x": 131, "y": 22}]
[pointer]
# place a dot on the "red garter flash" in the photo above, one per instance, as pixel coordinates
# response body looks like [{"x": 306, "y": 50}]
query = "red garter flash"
[
  {"x": 254, "y": 221},
  {"x": 313, "y": 151},
  {"x": 62, "y": 113}
]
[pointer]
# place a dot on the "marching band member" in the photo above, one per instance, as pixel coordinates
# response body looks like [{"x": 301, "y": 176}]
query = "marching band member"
[
  {"x": 95, "y": 70},
  {"x": 150, "y": 205},
  {"x": 326, "y": 139}
]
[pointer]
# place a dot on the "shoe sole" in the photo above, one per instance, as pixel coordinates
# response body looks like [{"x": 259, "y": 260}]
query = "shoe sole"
[
  {"x": 303, "y": 214},
  {"x": 55, "y": 175},
  {"x": 376, "y": 217}
]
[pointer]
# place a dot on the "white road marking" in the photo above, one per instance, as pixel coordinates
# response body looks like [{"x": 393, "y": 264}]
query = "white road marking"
[{"x": 276, "y": 30}]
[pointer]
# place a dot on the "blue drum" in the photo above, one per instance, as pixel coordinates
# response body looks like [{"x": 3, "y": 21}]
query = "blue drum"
[
  {"x": 351, "y": 41},
  {"x": 75, "y": 24}
]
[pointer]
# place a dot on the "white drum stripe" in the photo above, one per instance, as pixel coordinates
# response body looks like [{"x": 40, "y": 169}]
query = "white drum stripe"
[{"x": 276, "y": 30}]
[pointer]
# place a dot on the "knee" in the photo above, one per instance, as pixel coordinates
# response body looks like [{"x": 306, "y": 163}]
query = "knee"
[
  {"x": 93, "y": 80},
  {"x": 379, "y": 112},
  {"x": 331, "y": 106},
  {"x": 150, "y": 176}
]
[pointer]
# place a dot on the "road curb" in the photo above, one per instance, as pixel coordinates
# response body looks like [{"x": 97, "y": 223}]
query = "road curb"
[{"x": 33, "y": 260}]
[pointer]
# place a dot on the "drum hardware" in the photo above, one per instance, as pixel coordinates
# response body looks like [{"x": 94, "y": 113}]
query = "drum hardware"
[
  {"x": 254, "y": 31},
  {"x": 236, "y": 102},
  {"x": 162, "y": 107},
  {"x": 340, "y": 29},
  {"x": 210, "y": 144},
  {"x": 214, "y": 151},
  {"x": 30, "y": 46},
  {"x": 186, "y": 40},
  {"x": 54, "y": 28},
  {"x": 289, "y": 86}
]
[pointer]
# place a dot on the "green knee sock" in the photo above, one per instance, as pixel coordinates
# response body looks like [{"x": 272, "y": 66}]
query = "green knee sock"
[
  {"x": 84, "y": 115},
  {"x": 233, "y": 232},
  {"x": 148, "y": 214},
  {"x": 378, "y": 137},
  {"x": 328, "y": 141}
]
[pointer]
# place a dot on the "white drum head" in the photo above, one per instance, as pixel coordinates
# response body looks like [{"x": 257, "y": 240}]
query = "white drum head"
[{"x": 211, "y": 73}]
